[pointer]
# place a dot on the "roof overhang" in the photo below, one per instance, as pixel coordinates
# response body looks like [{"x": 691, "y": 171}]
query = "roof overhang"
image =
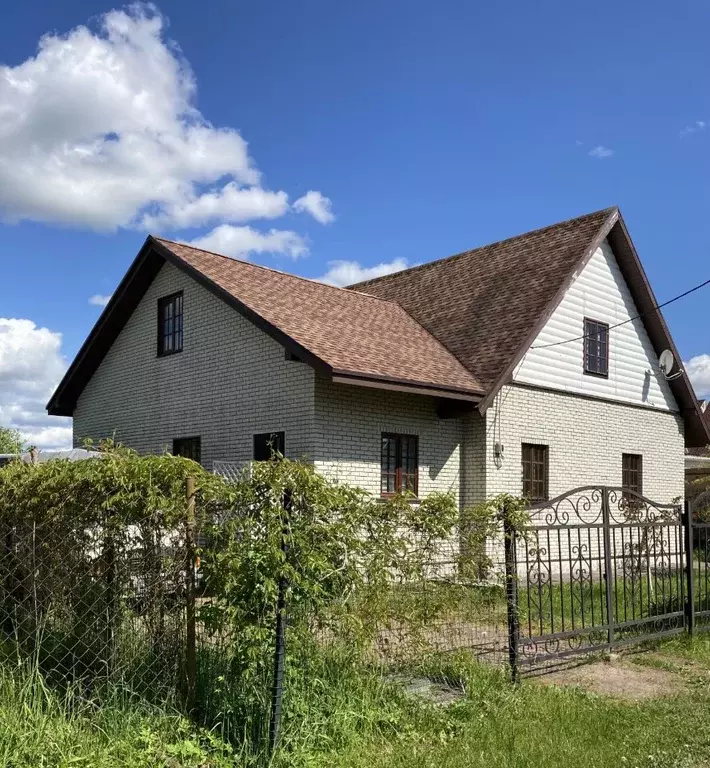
[
  {"x": 131, "y": 290},
  {"x": 341, "y": 377},
  {"x": 615, "y": 231}
]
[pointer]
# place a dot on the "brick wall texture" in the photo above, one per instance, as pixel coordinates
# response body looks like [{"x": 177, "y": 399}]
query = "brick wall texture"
[{"x": 232, "y": 381}]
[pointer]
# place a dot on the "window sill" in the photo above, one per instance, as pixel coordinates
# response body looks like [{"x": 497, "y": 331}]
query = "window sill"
[
  {"x": 169, "y": 354},
  {"x": 596, "y": 375},
  {"x": 414, "y": 500}
]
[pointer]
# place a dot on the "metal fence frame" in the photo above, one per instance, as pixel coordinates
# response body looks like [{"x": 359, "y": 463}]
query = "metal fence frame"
[{"x": 637, "y": 562}]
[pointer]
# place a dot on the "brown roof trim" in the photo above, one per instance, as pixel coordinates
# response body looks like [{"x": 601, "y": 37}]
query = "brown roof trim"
[
  {"x": 404, "y": 385},
  {"x": 507, "y": 373},
  {"x": 245, "y": 311},
  {"x": 105, "y": 331},
  {"x": 697, "y": 431},
  {"x": 696, "y": 426},
  {"x": 124, "y": 301}
]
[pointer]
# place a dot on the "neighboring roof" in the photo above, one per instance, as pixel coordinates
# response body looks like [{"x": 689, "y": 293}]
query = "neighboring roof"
[
  {"x": 701, "y": 450},
  {"x": 344, "y": 333},
  {"x": 488, "y": 305}
]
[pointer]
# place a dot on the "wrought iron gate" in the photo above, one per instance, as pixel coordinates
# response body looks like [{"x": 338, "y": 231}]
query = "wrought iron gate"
[{"x": 595, "y": 569}]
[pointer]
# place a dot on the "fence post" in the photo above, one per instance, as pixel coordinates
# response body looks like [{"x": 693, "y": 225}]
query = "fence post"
[
  {"x": 190, "y": 629},
  {"x": 511, "y": 592},
  {"x": 280, "y": 639},
  {"x": 689, "y": 574},
  {"x": 608, "y": 573},
  {"x": 110, "y": 595}
]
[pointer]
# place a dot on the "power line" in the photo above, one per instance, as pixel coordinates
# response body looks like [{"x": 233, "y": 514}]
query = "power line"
[{"x": 631, "y": 319}]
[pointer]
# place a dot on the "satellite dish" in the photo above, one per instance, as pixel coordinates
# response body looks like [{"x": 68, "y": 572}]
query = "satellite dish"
[{"x": 666, "y": 361}]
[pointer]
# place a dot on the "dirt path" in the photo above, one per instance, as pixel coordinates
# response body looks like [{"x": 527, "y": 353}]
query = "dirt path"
[{"x": 620, "y": 678}]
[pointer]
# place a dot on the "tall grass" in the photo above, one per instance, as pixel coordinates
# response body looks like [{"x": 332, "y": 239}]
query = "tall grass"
[{"x": 40, "y": 726}]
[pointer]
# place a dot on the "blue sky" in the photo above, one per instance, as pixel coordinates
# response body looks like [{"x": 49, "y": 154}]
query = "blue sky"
[{"x": 303, "y": 134}]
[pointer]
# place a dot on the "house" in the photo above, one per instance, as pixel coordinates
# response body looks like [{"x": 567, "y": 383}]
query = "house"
[
  {"x": 697, "y": 461},
  {"x": 527, "y": 366}
]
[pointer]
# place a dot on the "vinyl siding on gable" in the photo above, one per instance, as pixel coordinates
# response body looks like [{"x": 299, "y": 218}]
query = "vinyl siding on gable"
[{"x": 599, "y": 293}]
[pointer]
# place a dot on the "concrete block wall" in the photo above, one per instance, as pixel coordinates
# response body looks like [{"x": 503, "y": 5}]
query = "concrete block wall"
[{"x": 230, "y": 381}]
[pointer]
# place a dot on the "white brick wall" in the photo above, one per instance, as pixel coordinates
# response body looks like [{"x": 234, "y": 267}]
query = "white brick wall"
[
  {"x": 586, "y": 438},
  {"x": 230, "y": 381},
  {"x": 349, "y": 424}
]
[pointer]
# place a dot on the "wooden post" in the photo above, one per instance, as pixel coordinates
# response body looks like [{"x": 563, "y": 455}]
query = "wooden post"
[{"x": 190, "y": 635}]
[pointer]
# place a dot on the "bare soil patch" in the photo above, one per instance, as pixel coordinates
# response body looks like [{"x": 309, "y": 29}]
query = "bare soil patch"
[{"x": 619, "y": 679}]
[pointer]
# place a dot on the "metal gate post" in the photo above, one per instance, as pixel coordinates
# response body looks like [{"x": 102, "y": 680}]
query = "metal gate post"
[
  {"x": 689, "y": 574},
  {"x": 608, "y": 575},
  {"x": 511, "y": 593}
]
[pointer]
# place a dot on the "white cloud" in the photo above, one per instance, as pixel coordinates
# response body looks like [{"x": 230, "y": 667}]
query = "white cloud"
[
  {"x": 698, "y": 369},
  {"x": 31, "y": 365},
  {"x": 348, "y": 272},
  {"x": 320, "y": 207},
  {"x": 601, "y": 152},
  {"x": 231, "y": 203},
  {"x": 100, "y": 129},
  {"x": 240, "y": 242},
  {"x": 698, "y": 125},
  {"x": 97, "y": 300}
]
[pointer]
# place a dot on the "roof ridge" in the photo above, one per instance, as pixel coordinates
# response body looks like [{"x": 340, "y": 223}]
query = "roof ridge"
[
  {"x": 426, "y": 264},
  {"x": 271, "y": 269}
]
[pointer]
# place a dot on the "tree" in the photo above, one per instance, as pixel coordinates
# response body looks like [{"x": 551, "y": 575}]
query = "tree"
[{"x": 10, "y": 440}]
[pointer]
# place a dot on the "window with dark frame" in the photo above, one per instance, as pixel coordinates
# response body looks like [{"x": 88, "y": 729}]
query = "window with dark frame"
[
  {"x": 399, "y": 464},
  {"x": 596, "y": 348},
  {"x": 170, "y": 317},
  {"x": 189, "y": 447},
  {"x": 631, "y": 474},
  {"x": 535, "y": 472},
  {"x": 269, "y": 445}
]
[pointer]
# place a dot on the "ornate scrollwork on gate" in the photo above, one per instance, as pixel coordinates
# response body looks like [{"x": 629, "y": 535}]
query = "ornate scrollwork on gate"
[
  {"x": 630, "y": 507},
  {"x": 600, "y": 565},
  {"x": 580, "y": 506}
]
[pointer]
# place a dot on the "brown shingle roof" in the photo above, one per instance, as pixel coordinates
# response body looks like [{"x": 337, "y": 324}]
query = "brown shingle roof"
[
  {"x": 483, "y": 304},
  {"x": 352, "y": 333},
  {"x": 456, "y": 326}
]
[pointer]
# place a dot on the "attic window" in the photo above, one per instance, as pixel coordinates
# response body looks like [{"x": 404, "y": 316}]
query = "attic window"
[
  {"x": 170, "y": 324},
  {"x": 596, "y": 348}
]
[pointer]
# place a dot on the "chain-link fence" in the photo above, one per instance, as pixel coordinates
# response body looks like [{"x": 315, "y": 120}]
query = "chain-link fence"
[
  {"x": 226, "y": 609},
  {"x": 98, "y": 603}
]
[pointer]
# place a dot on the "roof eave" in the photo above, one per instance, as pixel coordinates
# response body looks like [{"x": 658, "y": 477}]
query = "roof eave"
[
  {"x": 405, "y": 385},
  {"x": 151, "y": 257}
]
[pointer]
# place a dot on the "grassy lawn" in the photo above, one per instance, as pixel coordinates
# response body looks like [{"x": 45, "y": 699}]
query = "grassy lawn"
[
  {"x": 360, "y": 721},
  {"x": 538, "y": 725}
]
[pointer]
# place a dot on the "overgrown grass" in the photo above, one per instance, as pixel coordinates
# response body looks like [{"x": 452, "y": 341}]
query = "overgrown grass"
[
  {"x": 534, "y": 725},
  {"x": 340, "y": 713},
  {"x": 41, "y": 727}
]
